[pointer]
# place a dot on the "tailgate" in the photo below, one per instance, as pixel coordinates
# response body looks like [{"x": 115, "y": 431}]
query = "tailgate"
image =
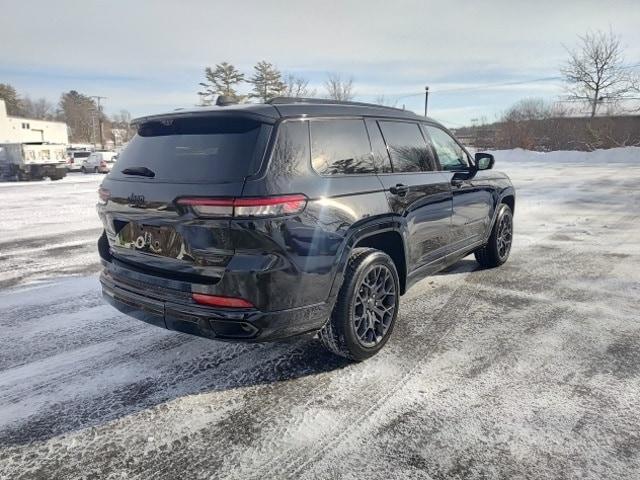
[
  {"x": 147, "y": 228},
  {"x": 207, "y": 157}
]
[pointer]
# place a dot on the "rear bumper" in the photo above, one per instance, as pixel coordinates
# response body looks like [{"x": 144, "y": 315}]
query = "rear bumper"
[{"x": 137, "y": 296}]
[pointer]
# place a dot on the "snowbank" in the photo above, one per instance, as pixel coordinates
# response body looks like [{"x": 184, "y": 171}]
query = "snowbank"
[{"x": 625, "y": 155}]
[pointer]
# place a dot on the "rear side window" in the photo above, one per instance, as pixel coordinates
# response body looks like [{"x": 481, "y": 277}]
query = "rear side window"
[
  {"x": 195, "y": 150},
  {"x": 340, "y": 147},
  {"x": 291, "y": 151},
  {"x": 408, "y": 149}
]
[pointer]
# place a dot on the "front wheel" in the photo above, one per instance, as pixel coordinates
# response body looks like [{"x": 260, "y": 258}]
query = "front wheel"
[
  {"x": 366, "y": 308},
  {"x": 497, "y": 249}
]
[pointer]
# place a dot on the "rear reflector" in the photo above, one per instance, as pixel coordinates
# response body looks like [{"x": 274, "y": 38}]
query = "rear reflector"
[
  {"x": 224, "y": 302},
  {"x": 246, "y": 207}
]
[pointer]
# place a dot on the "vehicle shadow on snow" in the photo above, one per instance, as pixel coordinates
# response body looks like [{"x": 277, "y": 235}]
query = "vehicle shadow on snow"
[
  {"x": 201, "y": 366},
  {"x": 466, "y": 265},
  {"x": 212, "y": 367}
]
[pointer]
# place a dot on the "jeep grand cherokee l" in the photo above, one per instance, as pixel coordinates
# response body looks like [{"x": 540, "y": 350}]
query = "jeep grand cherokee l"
[{"x": 263, "y": 221}]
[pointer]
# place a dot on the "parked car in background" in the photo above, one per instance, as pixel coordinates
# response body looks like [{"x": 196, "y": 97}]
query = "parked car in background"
[
  {"x": 75, "y": 159},
  {"x": 99, "y": 162},
  {"x": 259, "y": 222}
]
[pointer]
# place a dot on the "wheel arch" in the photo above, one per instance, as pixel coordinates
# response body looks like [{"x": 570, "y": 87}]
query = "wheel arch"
[
  {"x": 388, "y": 234},
  {"x": 509, "y": 198},
  {"x": 506, "y": 196},
  {"x": 390, "y": 242}
]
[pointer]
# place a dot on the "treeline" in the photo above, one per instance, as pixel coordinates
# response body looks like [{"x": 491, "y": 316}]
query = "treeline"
[
  {"x": 265, "y": 82},
  {"x": 80, "y": 112},
  {"x": 533, "y": 124},
  {"x": 596, "y": 76}
]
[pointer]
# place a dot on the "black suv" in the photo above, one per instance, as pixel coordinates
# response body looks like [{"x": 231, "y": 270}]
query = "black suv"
[{"x": 262, "y": 221}]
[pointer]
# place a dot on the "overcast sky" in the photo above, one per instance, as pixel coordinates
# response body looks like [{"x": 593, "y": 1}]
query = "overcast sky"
[{"x": 148, "y": 56}]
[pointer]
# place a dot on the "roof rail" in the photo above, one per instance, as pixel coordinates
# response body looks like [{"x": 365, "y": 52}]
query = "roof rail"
[{"x": 326, "y": 101}]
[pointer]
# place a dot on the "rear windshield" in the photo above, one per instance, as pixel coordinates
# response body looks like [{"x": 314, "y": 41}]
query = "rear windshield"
[
  {"x": 81, "y": 154},
  {"x": 195, "y": 150}
]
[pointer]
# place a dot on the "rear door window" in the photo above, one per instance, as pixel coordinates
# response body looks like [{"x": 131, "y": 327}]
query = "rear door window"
[
  {"x": 195, "y": 150},
  {"x": 408, "y": 149},
  {"x": 340, "y": 147},
  {"x": 378, "y": 147}
]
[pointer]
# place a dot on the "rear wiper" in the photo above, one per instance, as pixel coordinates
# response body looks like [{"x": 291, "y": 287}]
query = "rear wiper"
[{"x": 141, "y": 171}]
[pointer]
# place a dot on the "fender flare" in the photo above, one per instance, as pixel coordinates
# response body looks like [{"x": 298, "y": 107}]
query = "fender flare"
[
  {"x": 357, "y": 233},
  {"x": 508, "y": 191}
]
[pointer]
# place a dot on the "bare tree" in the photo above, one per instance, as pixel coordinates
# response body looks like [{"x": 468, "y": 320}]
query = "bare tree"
[
  {"x": 40, "y": 108},
  {"x": 297, "y": 87},
  {"x": 595, "y": 72},
  {"x": 338, "y": 88},
  {"x": 383, "y": 100},
  {"x": 527, "y": 109},
  {"x": 80, "y": 112},
  {"x": 121, "y": 128}
]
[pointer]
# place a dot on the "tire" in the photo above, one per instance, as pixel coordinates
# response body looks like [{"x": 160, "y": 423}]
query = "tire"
[
  {"x": 359, "y": 328},
  {"x": 83, "y": 170},
  {"x": 497, "y": 249},
  {"x": 95, "y": 169}
]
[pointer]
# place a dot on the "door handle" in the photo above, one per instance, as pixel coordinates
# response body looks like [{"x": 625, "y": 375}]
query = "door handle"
[
  {"x": 399, "y": 189},
  {"x": 457, "y": 182}
]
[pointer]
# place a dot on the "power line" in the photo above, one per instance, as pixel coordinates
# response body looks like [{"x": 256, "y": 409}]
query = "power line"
[
  {"x": 490, "y": 86},
  {"x": 480, "y": 87}
]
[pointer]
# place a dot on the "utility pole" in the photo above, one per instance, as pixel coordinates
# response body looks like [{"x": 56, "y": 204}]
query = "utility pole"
[
  {"x": 426, "y": 99},
  {"x": 98, "y": 98}
]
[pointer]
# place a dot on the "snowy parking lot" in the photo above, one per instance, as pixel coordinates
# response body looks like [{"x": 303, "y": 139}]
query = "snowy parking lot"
[{"x": 531, "y": 370}]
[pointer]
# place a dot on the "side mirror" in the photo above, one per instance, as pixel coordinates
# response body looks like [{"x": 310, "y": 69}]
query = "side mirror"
[{"x": 484, "y": 161}]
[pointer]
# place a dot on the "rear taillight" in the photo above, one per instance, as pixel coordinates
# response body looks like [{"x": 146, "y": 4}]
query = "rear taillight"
[
  {"x": 103, "y": 163},
  {"x": 103, "y": 195},
  {"x": 246, "y": 207},
  {"x": 223, "y": 302}
]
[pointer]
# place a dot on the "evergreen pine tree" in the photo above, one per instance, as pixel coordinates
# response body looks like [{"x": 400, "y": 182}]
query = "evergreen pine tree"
[
  {"x": 221, "y": 80},
  {"x": 267, "y": 81}
]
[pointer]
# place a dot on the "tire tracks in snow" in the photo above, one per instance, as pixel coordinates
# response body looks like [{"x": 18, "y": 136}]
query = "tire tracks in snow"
[
  {"x": 293, "y": 464},
  {"x": 257, "y": 368}
]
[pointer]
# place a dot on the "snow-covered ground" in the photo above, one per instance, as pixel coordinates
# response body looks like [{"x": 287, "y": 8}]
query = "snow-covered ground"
[
  {"x": 48, "y": 229},
  {"x": 526, "y": 371}
]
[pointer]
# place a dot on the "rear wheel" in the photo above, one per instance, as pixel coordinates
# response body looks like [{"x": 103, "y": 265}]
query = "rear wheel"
[
  {"x": 95, "y": 169},
  {"x": 83, "y": 170},
  {"x": 497, "y": 249},
  {"x": 367, "y": 306}
]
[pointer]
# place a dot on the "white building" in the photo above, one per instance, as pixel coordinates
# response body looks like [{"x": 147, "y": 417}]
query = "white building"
[{"x": 25, "y": 130}]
